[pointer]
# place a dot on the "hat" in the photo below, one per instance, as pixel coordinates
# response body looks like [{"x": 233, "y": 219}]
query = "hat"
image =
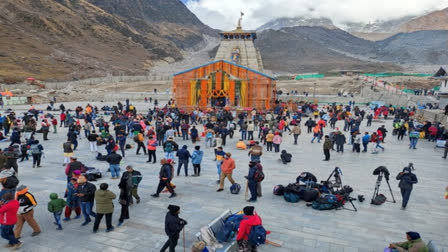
[
  {"x": 413, "y": 235},
  {"x": 74, "y": 158},
  {"x": 170, "y": 138},
  {"x": 249, "y": 210},
  {"x": 173, "y": 208},
  {"x": 20, "y": 188}
]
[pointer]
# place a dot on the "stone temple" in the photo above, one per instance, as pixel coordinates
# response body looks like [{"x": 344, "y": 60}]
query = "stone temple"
[{"x": 238, "y": 47}]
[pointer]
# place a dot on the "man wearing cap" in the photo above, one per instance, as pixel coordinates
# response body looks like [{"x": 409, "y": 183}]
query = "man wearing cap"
[
  {"x": 27, "y": 202},
  {"x": 228, "y": 164},
  {"x": 413, "y": 244},
  {"x": 173, "y": 226},
  {"x": 250, "y": 219}
]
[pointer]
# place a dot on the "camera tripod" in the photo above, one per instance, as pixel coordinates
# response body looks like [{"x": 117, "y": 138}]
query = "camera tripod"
[
  {"x": 337, "y": 184},
  {"x": 378, "y": 184}
]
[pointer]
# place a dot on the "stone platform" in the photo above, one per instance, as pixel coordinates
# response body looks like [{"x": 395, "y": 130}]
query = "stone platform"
[{"x": 295, "y": 226}]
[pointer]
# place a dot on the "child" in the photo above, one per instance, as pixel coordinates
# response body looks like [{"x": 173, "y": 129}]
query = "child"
[{"x": 55, "y": 206}]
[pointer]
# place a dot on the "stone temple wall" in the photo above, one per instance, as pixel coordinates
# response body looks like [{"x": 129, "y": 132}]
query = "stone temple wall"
[{"x": 249, "y": 56}]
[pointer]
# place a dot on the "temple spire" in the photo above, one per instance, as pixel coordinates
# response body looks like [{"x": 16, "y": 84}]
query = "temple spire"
[{"x": 238, "y": 27}]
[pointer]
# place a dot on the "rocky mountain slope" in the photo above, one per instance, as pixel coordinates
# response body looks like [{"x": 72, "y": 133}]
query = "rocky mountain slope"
[
  {"x": 313, "y": 49},
  {"x": 67, "y": 39},
  {"x": 279, "y": 23},
  {"x": 437, "y": 20}
]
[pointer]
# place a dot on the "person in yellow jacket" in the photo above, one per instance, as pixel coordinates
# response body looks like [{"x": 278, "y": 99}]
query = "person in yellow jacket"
[
  {"x": 269, "y": 140},
  {"x": 139, "y": 140}
]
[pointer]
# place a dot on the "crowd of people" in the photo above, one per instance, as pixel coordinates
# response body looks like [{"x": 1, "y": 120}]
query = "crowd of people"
[{"x": 165, "y": 127}]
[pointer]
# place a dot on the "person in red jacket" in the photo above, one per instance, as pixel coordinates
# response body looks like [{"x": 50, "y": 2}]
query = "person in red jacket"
[
  {"x": 8, "y": 218},
  {"x": 63, "y": 117},
  {"x": 250, "y": 219}
]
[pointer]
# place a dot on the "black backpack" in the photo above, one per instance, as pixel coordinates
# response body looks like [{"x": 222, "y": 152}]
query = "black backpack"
[
  {"x": 11, "y": 182},
  {"x": 379, "y": 199}
]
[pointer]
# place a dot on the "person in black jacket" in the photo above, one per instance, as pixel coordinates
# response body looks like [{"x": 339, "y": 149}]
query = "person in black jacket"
[
  {"x": 310, "y": 123},
  {"x": 165, "y": 176},
  {"x": 173, "y": 226},
  {"x": 407, "y": 179},
  {"x": 125, "y": 198},
  {"x": 86, "y": 194},
  {"x": 114, "y": 160},
  {"x": 340, "y": 141}
]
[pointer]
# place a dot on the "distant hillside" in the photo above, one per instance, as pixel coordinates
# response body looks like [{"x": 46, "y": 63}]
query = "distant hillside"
[
  {"x": 300, "y": 49},
  {"x": 279, "y": 23},
  {"x": 437, "y": 20},
  {"x": 313, "y": 49},
  {"x": 66, "y": 39}
]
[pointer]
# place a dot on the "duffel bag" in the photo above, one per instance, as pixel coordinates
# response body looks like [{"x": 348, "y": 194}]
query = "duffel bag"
[
  {"x": 379, "y": 199},
  {"x": 291, "y": 197},
  {"x": 310, "y": 194}
]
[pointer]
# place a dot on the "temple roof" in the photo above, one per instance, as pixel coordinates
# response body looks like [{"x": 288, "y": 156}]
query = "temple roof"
[{"x": 228, "y": 62}]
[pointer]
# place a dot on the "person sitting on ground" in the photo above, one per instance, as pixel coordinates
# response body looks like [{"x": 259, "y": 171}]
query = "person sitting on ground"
[
  {"x": 285, "y": 157},
  {"x": 240, "y": 145},
  {"x": 413, "y": 244},
  {"x": 250, "y": 219}
]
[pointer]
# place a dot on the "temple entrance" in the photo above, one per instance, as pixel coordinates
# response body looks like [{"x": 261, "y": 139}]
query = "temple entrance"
[{"x": 219, "y": 102}]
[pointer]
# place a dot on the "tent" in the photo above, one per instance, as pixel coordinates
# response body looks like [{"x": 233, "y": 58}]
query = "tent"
[{"x": 440, "y": 72}]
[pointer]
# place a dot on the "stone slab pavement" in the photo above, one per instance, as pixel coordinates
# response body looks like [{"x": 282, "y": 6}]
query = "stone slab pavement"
[{"x": 295, "y": 226}]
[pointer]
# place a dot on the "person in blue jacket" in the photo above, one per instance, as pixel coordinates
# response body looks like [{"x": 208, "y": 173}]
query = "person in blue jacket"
[
  {"x": 196, "y": 160},
  {"x": 365, "y": 141}
]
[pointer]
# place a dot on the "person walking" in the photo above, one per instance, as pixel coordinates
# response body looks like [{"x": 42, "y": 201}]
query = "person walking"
[
  {"x": 8, "y": 218},
  {"x": 114, "y": 160},
  {"x": 413, "y": 138},
  {"x": 121, "y": 140},
  {"x": 184, "y": 158},
  {"x": 407, "y": 180},
  {"x": 316, "y": 134},
  {"x": 104, "y": 206},
  {"x": 27, "y": 203},
  {"x": 152, "y": 147},
  {"x": 327, "y": 148},
  {"x": 196, "y": 159},
  {"x": 125, "y": 198},
  {"x": 136, "y": 178},
  {"x": 227, "y": 167},
  {"x": 55, "y": 207},
  {"x": 194, "y": 134},
  {"x": 173, "y": 226},
  {"x": 296, "y": 131},
  {"x": 36, "y": 151},
  {"x": 54, "y": 122},
  {"x": 92, "y": 138},
  {"x": 139, "y": 139},
  {"x": 365, "y": 141},
  {"x": 165, "y": 177},
  {"x": 73, "y": 203},
  {"x": 86, "y": 194}
]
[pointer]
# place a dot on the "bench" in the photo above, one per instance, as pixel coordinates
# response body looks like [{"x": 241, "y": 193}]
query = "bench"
[{"x": 216, "y": 225}]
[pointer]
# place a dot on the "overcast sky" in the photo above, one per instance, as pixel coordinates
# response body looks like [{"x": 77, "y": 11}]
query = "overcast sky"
[{"x": 223, "y": 14}]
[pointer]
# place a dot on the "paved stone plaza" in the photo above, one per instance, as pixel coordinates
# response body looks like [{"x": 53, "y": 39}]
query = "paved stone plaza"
[{"x": 295, "y": 226}]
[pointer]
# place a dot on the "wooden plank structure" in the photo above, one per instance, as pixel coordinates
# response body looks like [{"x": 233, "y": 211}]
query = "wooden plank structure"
[{"x": 223, "y": 83}]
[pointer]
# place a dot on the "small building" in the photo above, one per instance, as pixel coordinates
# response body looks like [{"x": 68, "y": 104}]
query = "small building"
[
  {"x": 442, "y": 76},
  {"x": 223, "y": 84}
]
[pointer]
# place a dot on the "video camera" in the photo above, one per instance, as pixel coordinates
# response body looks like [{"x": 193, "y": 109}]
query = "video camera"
[{"x": 383, "y": 170}]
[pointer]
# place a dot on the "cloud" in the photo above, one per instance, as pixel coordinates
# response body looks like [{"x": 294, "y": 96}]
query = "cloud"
[{"x": 224, "y": 14}]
